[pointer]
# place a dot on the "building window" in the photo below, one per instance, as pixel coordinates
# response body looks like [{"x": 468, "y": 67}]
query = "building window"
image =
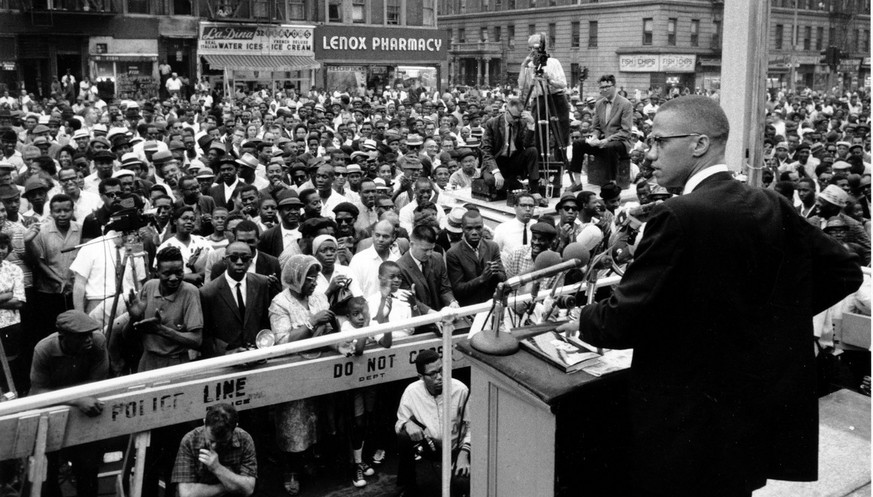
[
  {"x": 510, "y": 4},
  {"x": 485, "y": 5},
  {"x": 553, "y": 3},
  {"x": 819, "y": 38},
  {"x": 334, "y": 11},
  {"x": 428, "y": 19},
  {"x": 483, "y": 34},
  {"x": 866, "y": 47},
  {"x": 574, "y": 34},
  {"x": 671, "y": 32},
  {"x": 142, "y": 6},
  {"x": 779, "y": 35},
  {"x": 498, "y": 4},
  {"x": 533, "y": 4},
  {"x": 510, "y": 35},
  {"x": 807, "y": 38},
  {"x": 592, "y": 34},
  {"x": 462, "y": 35},
  {"x": 695, "y": 32},
  {"x": 359, "y": 11},
  {"x": 648, "y": 28},
  {"x": 497, "y": 34},
  {"x": 553, "y": 30},
  {"x": 531, "y": 29},
  {"x": 716, "y": 37},
  {"x": 462, "y": 6},
  {"x": 575, "y": 74},
  {"x": 393, "y": 12}
]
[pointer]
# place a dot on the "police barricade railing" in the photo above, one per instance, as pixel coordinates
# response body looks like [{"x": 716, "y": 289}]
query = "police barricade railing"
[{"x": 138, "y": 403}]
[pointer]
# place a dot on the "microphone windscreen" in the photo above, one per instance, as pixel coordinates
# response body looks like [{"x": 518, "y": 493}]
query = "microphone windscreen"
[
  {"x": 547, "y": 258},
  {"x": 576, "y": 250}
]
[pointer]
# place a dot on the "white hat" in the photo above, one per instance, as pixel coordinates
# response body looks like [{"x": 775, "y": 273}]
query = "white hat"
[{"x": 835, "y": 195}]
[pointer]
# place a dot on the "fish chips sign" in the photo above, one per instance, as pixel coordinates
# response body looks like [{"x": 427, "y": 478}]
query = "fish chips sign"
[
  {"x": 245, "y": 39},
  {"x": 657, "y": 63}
]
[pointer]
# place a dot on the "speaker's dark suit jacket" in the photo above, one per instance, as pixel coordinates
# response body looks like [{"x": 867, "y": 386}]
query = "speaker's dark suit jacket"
[
  {"x": 265, "y": 265},
  {"x": 718, "y": 307},
  {"x": 223, "y": 327},
  {"x": 466, "y": 266}
]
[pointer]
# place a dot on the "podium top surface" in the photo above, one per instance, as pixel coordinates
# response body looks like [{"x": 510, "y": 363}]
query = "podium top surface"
[{"x": 545, "y": 381}]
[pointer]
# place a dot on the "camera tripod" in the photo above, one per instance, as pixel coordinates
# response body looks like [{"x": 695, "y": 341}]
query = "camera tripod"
[{"x": 547, "y": 114}]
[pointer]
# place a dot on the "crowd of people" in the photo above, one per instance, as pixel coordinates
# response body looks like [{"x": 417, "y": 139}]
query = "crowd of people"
[{"x": 136, "y": 235}]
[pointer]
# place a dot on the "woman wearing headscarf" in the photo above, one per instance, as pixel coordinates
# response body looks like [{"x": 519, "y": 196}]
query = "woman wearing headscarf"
[
  {"x": 333, "y": 275},
  {"x": 297, "y": 313}
]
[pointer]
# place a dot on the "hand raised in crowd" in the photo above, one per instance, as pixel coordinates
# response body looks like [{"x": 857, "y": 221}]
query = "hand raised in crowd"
[
  {"x": 135, "y": 307},
  {"x": 336, "y": 283}
]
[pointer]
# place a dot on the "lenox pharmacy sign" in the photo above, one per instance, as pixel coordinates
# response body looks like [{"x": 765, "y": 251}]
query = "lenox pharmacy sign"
[{"x": 380, "y": 44}]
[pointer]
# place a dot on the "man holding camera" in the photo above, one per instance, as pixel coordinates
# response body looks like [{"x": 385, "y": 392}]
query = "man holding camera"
[{"x": 537, "y": 67}]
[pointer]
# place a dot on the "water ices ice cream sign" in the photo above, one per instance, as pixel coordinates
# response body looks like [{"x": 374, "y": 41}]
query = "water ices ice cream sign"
[
  {"x": 241, "y": 39},
  {"x": 370, "y": 44}
]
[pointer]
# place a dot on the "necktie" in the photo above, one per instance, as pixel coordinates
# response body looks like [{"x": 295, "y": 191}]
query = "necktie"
[
  {"x": 608, "y": 110},
  {"x": 524, "y": 234},
  {"x": 240, "y": 302}
]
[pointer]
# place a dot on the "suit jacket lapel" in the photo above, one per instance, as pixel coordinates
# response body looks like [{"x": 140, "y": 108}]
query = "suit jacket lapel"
[
  {"x": 251, "y": 297},
  {"x": 224, "y": 290}
]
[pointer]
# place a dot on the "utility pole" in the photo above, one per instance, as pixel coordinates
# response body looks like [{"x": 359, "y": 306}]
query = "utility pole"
[{"x": 792, "y": 59}]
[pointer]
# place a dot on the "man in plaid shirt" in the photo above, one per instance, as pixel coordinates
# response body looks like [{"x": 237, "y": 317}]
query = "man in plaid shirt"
[
  {"x": 217, "y": 458},
  {"x": 521, "y": 260}
]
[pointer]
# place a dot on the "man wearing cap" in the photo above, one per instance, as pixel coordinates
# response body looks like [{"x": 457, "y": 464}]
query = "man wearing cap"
[
  {"x": 803, "y": 159},
  {"x": 508, "y": 152},
  {"x": 521, "y": 260},
  {"x": 74, "y": 354},
  {"x": 248, "y": 165},
  {"x": 469, "y": 162},
  {"x": 706, "y": 285},
  {"x": 474, "y": 264},
  {"x": 832, "y": 220},
  {"x": 36, "y": 193},
  {"x": 275, "y": 240},
  {"x": 167, "y": 173},
  {"x": 104, "y": 164}
]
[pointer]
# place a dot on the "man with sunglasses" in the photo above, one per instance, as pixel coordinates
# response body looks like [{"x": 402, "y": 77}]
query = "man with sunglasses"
[
  {"x": 609, "y": 142},
  {"x": 94, "y": 225},
  {"x": 722, "y": 392},
  {"x": 234, "y": 304}
]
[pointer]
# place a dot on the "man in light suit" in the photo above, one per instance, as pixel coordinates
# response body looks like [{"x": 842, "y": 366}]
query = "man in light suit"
[
  {"x": 228, "y": 324},
  {"x": 718, "y": 307},
  {"x": 474, "y": 264},
  {"x": 610, "y": 136},
  {"x": 425, "y": 273}
]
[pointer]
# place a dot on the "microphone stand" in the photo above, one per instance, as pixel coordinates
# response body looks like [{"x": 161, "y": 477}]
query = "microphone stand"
[{"x": 493, "y": 341}]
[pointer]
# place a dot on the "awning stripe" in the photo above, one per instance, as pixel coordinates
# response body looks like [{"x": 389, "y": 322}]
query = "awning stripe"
[{"x": 262, "y": 62}]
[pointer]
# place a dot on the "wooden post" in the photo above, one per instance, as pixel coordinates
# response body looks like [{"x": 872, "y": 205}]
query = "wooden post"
[
  {"x": 37, "y": 463},
  {"x": 743, "y": 80},
  {"x": 143, "y": 440}
]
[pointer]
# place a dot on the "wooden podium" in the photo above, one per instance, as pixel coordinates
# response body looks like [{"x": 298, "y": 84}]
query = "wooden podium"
[{"x": 537, "y": 431}]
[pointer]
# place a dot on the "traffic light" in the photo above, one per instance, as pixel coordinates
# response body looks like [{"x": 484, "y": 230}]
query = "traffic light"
[
  {"x": 825, "y": 57},
  {"x": 584, "y": 73},
  {"x": 832, "y": 56}
]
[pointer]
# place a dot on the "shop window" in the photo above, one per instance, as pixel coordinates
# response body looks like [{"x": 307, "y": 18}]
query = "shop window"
[
  {"x": 671, "y": 32},
  {"x": 695, "y": 32},
  {"x": 138, "y": 7},
  {"x": 648, "y": 29},
  {"x": 359, "y": 11},
  {"x": 574, "y": 34},
  {"x": 261, "y": 9},
  {"x": 592, "y": 34},
  {"x": 334, "y": 11},
  {"x": 105, "y": 70},
  {"x": 393, "y": 12},
  {"x": 296, "y": 9},
  {"x": 779, "y": 34},
  {"x": 428, "y": 17},
  {"x": 819, "y": 38},
  {"x": 497, "y": 34}
]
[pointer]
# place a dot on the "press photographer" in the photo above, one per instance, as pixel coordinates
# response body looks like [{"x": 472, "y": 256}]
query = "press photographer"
[{"x": 539, "y": 66}]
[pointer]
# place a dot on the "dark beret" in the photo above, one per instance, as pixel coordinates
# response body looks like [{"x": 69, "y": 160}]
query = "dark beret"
[
  {"x": 610, "y": 191},
  {"x": 346, "y": 207},
  {"x": 544, "y": 228}
]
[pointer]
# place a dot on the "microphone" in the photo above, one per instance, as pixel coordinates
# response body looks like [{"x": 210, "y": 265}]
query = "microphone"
[
  {"x": 632, "y": 219},
  {"x": 572, "y": 252},
  {"x": 577, "y": 251},
  {"x": 545, "y": 260}
]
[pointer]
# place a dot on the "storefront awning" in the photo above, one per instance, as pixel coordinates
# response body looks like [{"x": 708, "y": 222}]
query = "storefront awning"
[{"x": 262, "y": 62}]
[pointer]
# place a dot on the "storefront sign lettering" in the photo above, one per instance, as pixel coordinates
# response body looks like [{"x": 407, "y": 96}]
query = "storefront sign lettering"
[
  {"x": 420, "y": 45},
  {"x": 232, "y": 39},
  {"x": 657, "y": 63}
]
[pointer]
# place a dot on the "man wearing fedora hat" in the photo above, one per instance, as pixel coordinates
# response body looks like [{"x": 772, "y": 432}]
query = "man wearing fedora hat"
[
  {"x": 248, "y": 165},
  {"x": 832, "y": 220}
]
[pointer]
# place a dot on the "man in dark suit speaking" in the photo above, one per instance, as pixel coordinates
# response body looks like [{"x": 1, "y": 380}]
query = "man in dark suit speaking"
[
  {"x": 718, "y": 308},
  {"x": 610, "y": 136}
]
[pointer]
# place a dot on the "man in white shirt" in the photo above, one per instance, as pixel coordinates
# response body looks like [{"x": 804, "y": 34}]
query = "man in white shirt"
[
  {"x": 324, "y": 178},
  {"x": 509, "y": 235},
  {"x": 365, "y": 264},
  {"x": 423, "y": 193}
]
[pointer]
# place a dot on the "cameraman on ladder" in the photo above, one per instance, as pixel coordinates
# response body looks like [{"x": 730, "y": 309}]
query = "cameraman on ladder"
[{"x": 538, "y": 64}]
